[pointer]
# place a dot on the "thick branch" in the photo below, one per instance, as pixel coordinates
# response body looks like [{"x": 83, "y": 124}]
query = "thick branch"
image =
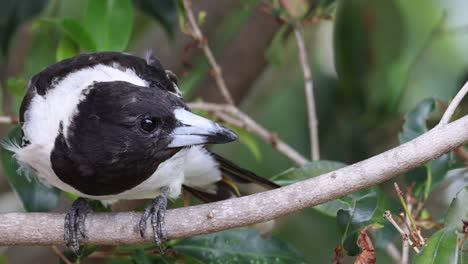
[
  {"x": 309, "y": 93},
  {"x": 121, "y": 228},
  {"x": 198, "y": 36},
  {"x": 250, "y": 125}
]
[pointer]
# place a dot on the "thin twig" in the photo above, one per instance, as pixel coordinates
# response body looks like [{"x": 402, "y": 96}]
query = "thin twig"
[
  {"x": 453, "y": 105},
  {"x": 250, "y": 125},
  {"x": 393, "y": 253},
  {"x": 387, "y": 215},
  {"x": 309, "y": 93},
  {"x": 9, "y": 120},
  {"x": 405, "y": 252},
  {"x": 197, "y": 34},
  {"x": 47, "y": 228},
  {"x": 61, "y": 255}
]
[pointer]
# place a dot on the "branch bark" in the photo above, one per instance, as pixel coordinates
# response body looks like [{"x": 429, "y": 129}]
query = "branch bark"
[
  {"x": 244, "y": 121},
  {"x": 121, "y": 228},
  {"x": 197, "y": 34},
  {"x": 309, "y": 93}
]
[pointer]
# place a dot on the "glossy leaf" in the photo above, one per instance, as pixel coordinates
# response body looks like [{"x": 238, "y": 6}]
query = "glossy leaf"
[
  {"x": 430, "y": 175},
  {"x": 34, "y": 196},
  {"x": 238, "y": 246},
  {"x": 79, "y": 34},
  {"x": 441, "y": 247},
  {"x": 66, "y": 49},
  {"x": 163, "y": 11},
  {"x": 309, "y": 170},
  {"x": 247, "y": 140},
  {"x": 458, "y": 210},
  {"x": 365, "y": 208},
  {"x": 109, "y": 23},
  {"x": 84, "y": 252}
]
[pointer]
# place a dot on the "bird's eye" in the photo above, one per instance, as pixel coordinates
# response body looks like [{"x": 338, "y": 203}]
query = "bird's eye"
[{"x": 148, "y": 124}]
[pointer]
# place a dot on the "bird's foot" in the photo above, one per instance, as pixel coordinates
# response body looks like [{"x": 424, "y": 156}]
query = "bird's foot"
[
  {"x": 75, "y": 224},
  {"x": 157, "y": 211}
]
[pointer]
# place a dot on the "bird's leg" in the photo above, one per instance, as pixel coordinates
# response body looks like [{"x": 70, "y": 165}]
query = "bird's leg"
[
  {"x": 75, "y": 224},
  {"x": 157, "y": 212}
]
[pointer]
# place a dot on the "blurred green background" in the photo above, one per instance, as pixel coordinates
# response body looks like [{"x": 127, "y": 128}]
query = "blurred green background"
[{"x": 372, "y": 61}]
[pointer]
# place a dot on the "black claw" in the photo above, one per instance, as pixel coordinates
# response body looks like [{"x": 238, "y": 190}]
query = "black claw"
[
  {"x": 75, "y": 224},
  {"x": 157, "y": 212}
]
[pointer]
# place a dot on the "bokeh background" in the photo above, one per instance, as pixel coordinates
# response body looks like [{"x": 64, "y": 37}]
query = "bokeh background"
[{"x": 372, "y": 61}]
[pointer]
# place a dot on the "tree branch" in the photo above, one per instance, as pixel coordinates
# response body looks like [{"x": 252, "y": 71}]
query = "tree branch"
[
  {"x": 309, "y": 93},
  {"x": 197, "y": 34},
  {"x": 453, "y": 105},
  {"x": 9, "y": 120},
  {"x": 250, "y": 125},
  {"x": 121, "y": 228}
]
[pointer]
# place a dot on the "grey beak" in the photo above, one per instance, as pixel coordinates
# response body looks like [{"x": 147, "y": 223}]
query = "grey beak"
[{"x": 196, "y": 130}]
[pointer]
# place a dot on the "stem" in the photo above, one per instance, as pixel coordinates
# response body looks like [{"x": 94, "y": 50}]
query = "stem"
[
  {"x": 197, "y": 34},
  {"x": 309, "y": 93},
  {"x": 453, "y": 105}
]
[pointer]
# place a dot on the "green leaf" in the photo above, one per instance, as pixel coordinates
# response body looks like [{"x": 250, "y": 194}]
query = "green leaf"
[
  {"x": 34, "y": 196},
  {"x": 247, "y": 140},
  {"x": 84, "y": 252},
  {"x": 441, "y": 247},
  {"x": 415, "y": 120},
  {"x": 458, "y": 210},
  {"x": 66, "y": 49},
  {"x": 163, "y": 11},
  {"x": 365, "y": 208},
  {"x": 238, "y": 246},
  {"x": 17, "y": 86},
  {"x": 75, "y": 31},
  {"x": 430, "y": 175},
  {"x": 309, "y": 170},
  {"x": 109, "y": 23}
]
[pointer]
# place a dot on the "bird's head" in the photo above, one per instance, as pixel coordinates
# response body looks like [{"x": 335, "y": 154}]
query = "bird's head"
[{"x": 119, "y": 122}]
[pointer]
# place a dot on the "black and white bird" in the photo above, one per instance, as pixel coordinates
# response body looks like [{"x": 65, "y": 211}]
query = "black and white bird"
[{"x": 110, "y": 126}]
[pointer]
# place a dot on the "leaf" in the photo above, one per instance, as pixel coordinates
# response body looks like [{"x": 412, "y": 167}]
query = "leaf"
[
  {"x": 367, "y": 255},
  {"x": 430, "y": 175},
  {"x": 238, "y": 246},
  {"x": 66, "y": 49},
  {"x": 441, "y": 247},
  {"x": 75, "y": 31},
  {"x": 163, "y": 11},
  {"x": 84, "y": 252},
  {"x": 365, "y": 208},
  {"x": 458, "y": 210},
  {"x": 12, "y": 14},
  {"x": 109, "y": 23},
  {"x": 17, "y": 86},
  {"x": 34, "y": 196},
  {"x": 309, "y": 170},
  {"x": 247, "y": 140},
  {"x": 415, "y": 120}
]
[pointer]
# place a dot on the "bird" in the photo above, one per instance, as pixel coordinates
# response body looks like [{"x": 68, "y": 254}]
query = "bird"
[{"x": 112, "y": 126}]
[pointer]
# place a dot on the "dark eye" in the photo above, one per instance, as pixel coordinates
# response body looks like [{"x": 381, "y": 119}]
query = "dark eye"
[{"x": 148, "y": 124}]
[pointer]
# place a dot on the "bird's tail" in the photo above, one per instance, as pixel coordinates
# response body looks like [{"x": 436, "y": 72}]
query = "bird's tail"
[{"x": 236, "y": 182}]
